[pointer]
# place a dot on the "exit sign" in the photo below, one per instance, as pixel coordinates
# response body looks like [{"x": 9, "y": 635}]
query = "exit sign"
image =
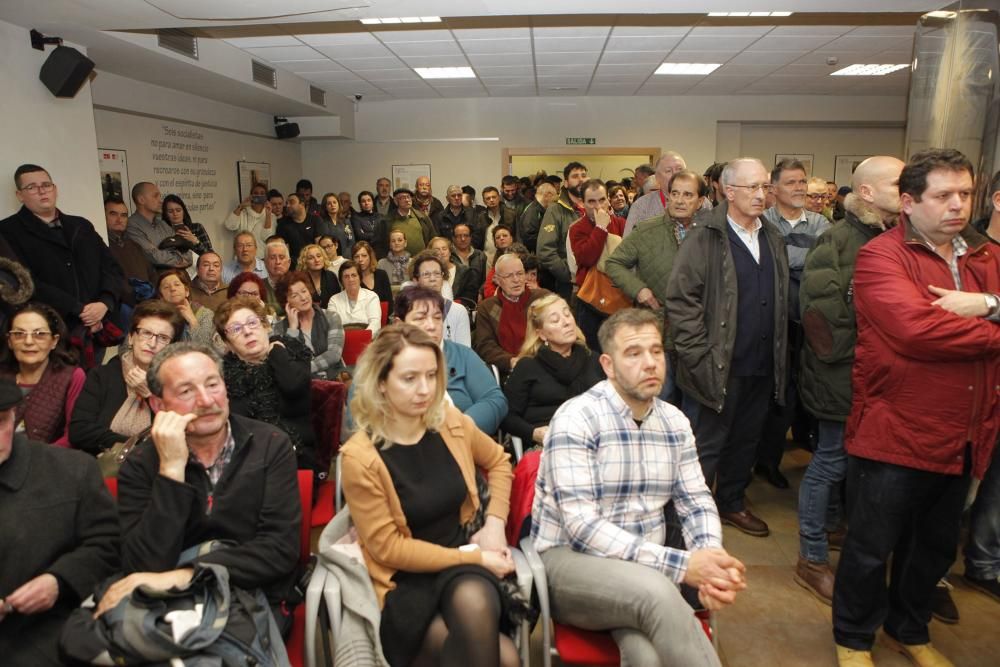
[{"x": 581, "y": 141}]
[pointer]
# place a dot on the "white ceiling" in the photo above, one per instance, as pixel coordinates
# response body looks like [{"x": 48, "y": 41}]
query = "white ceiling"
[{"x": 591, "y": 60}]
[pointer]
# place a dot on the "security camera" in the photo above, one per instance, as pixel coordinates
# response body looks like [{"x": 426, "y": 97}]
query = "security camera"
[
  {"x": 832, "y": 60},
  {"x": 357, "y": 98}
]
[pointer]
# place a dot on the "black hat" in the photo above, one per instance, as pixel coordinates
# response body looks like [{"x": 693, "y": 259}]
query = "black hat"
[
  {"x": 10, "y": 394},
  {"x": 402, "y": 191}
]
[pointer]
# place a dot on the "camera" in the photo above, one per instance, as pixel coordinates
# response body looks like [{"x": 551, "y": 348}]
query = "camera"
[{"x": 357, "y": 98}]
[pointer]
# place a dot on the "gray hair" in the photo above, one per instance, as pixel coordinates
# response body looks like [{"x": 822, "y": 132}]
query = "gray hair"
[
  {"x": 280, "y": 242},
  {"x": 506, "y": 258},
  {"x": 626, "y": 317},
  {"x": 176, "y": 350},
  {"x": 672, "y": 155},
  {"x": 729, "y": 171}
]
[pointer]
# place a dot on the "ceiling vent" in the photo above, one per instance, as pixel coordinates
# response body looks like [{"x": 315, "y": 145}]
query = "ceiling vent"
[
  {"x": 317, "y": 96},
  {"x": 178, "y": 41},
  {"x": 264, "y": 75}
]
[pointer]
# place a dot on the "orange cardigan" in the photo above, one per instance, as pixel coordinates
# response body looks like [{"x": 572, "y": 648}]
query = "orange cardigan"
[{"x": 386, "y": 540}]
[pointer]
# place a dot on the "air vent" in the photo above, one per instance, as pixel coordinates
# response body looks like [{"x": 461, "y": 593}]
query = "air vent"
[
  {"x": 264, "y": 75},
  {"x": 317, "y": 96},
  {"x": 178, "y": 41}
]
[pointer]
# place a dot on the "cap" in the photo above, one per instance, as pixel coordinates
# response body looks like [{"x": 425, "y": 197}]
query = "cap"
[
  {"x": 10, "y": 394},
  {"x": 402, "y": 191},
  {"x": 844, "y": 191}
]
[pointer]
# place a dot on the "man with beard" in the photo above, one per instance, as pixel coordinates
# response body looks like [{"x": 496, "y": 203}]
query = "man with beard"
[
  {"x": 510, "y": 188},
  {"x": 556, "y": 222}
]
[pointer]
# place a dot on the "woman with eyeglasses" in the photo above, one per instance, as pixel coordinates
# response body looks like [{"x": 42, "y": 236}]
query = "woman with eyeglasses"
[
  {"x": 114, "y": 403},
  {"x": 267, "y": 376},
  {"x": 250, "y": 284},
  {"x": 174, "y": 287},
  {"x": 319, "y": 330},
  {"x": 38, "y": 358},
  {"x": 428, "y": 271},
  {"x": 331, "y": 247}
]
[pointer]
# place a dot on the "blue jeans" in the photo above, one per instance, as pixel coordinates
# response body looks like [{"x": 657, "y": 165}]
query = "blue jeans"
[
  {"x": 982, "y": 551},
  {"x": 819, "y": 492}
]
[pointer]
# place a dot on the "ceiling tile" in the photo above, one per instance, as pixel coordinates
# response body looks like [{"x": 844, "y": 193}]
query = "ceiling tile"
[
  {"x": 624, "y": 70},
  {"x": 748, "y": 71},
  {"x": 355, "y": 51},
  {"x": 795, "y": 43},
  {"x": 263, "y": 40},
  {"x": 505, "y": 71},
  {"x": 660, "y": 44},
  {"x": 799, "y": 69},
  {"x": 395, "y": 36},
  {"x": 493, "y": 46},
  {"x": 584, "y": 31},
  {"x": 416, "y": 94},
  {"x": 819, "y": 57},
  {"x": 644, "y": 31},
  {"x": 714, "y": 56},
  {"x": 733, "y": 43},
  {"x": 301, "y": 66},
  {"x": 728, "y": 31},
  {"x": 493, "y": 33},
  {"x": 276, "y": 54},
  {"x": 566, "y": 58},
  {"x": 405, "y": 49},
  {"x": 559, "y": 70},
  {"x": 870, "y": 43},
  {"x": 830, "y": 31},
  {"x": 363, "y": 64},
  {"x": 392, "y": 75},
  {"x": 436, "y": 61},
  {"x": 559, "y": 44},
  {"x": 340, "y": 38},
  {"x": 501, "y": 60},
  {"x": 635, "y": 58},
  {"x": 764, "y": 57},
  {"x": 332, "y": 77},
  {"x": 885, "y": 30},
  {"x": 461, "y": 92}
]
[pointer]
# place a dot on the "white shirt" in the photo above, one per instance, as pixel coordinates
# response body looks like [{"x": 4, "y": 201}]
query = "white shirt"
[
  {"x": 750, "y": 238},
  {"x": 366, "y": 310}
]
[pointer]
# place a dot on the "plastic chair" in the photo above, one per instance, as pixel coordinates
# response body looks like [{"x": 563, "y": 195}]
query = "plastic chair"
[
  {"x": 385, "y": 311},
  {"x": 571, "y": 645},
  {"x": 328, "y": 398},
  {"x": 355, "y": 342}
]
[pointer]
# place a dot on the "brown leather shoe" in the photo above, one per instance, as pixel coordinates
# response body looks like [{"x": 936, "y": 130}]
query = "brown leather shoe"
[
  {"x": 835, "y": 539},
  {"x": 921, "y": 655},
  {"x": 746, "y": 522},
  {"x": 848, "y": 657},
  {"x": 817, "y": 578}
]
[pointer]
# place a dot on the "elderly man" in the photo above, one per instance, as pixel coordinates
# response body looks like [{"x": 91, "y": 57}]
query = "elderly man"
[
  {"x": 816, "y": 195},
  {"x": 277, "y": 262},
  {"x": 423, "y": 200},
  {"x": 653, "y": 204},
  {"x": 207, "y": 287},
  {"x": 202, "y": 475},
  {"x": 244, "y": 258},
  {"x": 924, "y": 413},
  {"x": 642, "y": 174},
  {"x": 455, "y": 213},
  {"x": 599, "y": 525},
  {"x": 59, "y": 531},
  {"x": 726, "y": 304},
  {"x": 384, "y": 203},
  {"x": 531, "y": 219},
  {"x": 254, "y": 215},
  {"x": 415, "y": 225},
  {"x": 552, "y": 235},
  {"x": 827, "y": 307},
  {"x": 502, "y": 319},
  {"x": 72, "y": 268},
  {"x": 149, "y": 230}
]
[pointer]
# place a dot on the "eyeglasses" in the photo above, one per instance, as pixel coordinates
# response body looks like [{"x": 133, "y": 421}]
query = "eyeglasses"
[
  {"x": 763, "y": 187},
  {"x": 517, "y": 275},
  {"x": 814, "y": 197},
  {"x": 147, "y": 336},
  {"x": 245, "y": 246},
  {"x": 430, "y": 274},
  {"x": 20, "y": 335},
  {"x": 252, "y": 324},
  {"x": 38, "y": 187},
  {"x": 248, "y": 293}
]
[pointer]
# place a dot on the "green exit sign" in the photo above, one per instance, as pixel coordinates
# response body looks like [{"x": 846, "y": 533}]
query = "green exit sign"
[{"x": 581, "y": 141}]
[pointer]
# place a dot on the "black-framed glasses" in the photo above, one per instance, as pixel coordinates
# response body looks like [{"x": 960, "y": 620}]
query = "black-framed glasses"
[{"x": 38, "y": 187}]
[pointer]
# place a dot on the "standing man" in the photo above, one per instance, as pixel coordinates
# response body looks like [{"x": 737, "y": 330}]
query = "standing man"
[
  {"x": 453, "y": 214},
  {"x": 828, "y": 322},
  {"x": 924, "y": 414},
  {"x": 149, "y": 230},
  {"x": 253, "y": 215},
  {"x": 598, "y": 515},
  {"x": 465, "y": 254},
  {"x": 510, "y": 188},
  {"x": 654, "y": 203},
  {"x": 558, "y": 217},
  {"x": 130, "y": 257},
  {"x": 384, "y": 203},
  {"x": 244, "y": 258},
  {"x": 299, "y": 227},
  {"x": 416, "y": 227},
  {"x": 726, "y": 304},
  {"x": 304, "y": 190},
  {"x": 494, "y": 214},
  {"x": 423, "y": 200},
  {"x": 275, "y": 202},
  {"x": 800, "y": 228},
  {"x": 531, "y": 219},
  {"x": 816, "y": 195},
  {"x": 642, "y": 174},
  {"x": 207, "y": 287},
  {"x": 72, "y": 268}
]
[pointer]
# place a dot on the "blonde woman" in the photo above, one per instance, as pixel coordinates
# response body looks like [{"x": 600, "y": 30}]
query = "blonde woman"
[
  {"x": 409, "y": 479},
  {"x": 554, "y": 366},
  {"x": 323, "y": 282}
]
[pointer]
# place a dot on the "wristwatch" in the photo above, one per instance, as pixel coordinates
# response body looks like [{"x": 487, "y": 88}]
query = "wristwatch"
[{"x": 993, "y": 304}]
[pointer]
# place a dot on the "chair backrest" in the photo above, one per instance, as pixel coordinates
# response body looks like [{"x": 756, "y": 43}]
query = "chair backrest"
[
  {"x": 385, "y": 312},
  {"x": 522, "y": 495},
  {"x": 306, "y": 499},
  {"x": 328, "y": 399},
  {"x": 355, "y": 342}
]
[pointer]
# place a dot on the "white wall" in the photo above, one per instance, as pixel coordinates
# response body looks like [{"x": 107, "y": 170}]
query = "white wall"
[
  {"x": 694, "y": 126},
  {"x": 40, "y": 128}
]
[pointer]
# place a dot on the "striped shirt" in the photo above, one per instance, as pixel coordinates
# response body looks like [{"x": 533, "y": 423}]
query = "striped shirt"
[{"x": 603, "y": 482}]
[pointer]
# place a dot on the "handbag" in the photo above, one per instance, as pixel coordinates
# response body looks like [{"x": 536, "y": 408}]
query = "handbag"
[
  {"x": 597, "y": 290},
  {"x": 111, "y": 459}
]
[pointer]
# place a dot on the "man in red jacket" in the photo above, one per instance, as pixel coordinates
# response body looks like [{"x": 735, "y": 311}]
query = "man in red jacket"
[{"x": 924, "y": 413}]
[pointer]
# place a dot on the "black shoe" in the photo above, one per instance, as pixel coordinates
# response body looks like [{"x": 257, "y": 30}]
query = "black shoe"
[
  {"x": 772, "y": 476},
  {"x": 990, "y": 587},
  {"x": 942, "y": 606}
]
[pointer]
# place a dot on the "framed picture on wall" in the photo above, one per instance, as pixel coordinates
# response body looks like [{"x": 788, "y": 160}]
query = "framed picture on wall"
[
  {"x": 805, "y": 158},
  {"x": 406, "y": 175},
  {"x": 249, "y": 173},
  {"x": 114, "y": 175},
  {"x": 844, "y": 166}
]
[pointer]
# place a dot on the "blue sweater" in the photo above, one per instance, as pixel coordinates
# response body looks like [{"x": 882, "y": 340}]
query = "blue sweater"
[{"x": 473, "y": 389}]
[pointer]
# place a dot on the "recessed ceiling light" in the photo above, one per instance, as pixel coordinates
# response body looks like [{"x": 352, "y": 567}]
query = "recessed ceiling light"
[
  {"x": 868, "y": 70},
  {"x": 940, "y": 14},
  {"x": 687, "y": 68},
  {"x": 445, "y": 72},
  {"x": 405, "y": 19},
  {"x": 753, "y": 14}
]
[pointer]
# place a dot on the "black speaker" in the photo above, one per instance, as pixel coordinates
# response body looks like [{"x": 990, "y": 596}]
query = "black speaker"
[
  {"x": 287, "y": 130},
  {"x": 65, "y": 71}
]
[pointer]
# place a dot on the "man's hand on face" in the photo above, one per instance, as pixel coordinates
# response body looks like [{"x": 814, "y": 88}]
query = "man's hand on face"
[{"x": 169, "y": 434}]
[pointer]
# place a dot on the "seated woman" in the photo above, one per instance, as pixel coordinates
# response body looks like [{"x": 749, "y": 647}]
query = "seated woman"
[
  {"x": 554, "y": 366},
  {"x": 397, "y": 261},
  {"x": 331, "y": 248},
  {"x": 250, "y": 284},
  {"x": 176, "y": 213},
  {"x": 408, "y": 477},
  {"x": 174, "y": 287},
  {"x": 372, "y": 278},
  {"x": 38, "y": 358},
  {"x": 323, "y": 283},
  {"x": 319, "y": 330},
  {"x": 357, "y": 307},
  {"x": 427, "y": 270},
  {"x": 471, "y": 384},
  {"x": 114, "y": 405},
  {"x": 461, "y": 279},
  {"x": 267, "y": 378}
]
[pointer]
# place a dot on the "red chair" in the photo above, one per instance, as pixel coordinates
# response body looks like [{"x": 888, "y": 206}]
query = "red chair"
[
  {"x": 571, "y": 645},
  {"x": 385, "y": 312},
  {"x": 328, "y": 398},
  {"x": 355, "y": 342}
]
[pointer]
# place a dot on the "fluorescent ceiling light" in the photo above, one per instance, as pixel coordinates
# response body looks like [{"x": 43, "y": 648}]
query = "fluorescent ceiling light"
[
  {"x": 940, "y": 14},
  {"x": 868, "y": 70},
  {"x": 445, "y": 72},
  {"x": 687, "y": 68},
  {"x": 753, "y": 14},
  {"x": 405, "y": 19}
]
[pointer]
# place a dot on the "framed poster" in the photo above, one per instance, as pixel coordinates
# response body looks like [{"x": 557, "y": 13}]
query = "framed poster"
[
  {"x": 114, "y": 175},
  {"x": 844, "y": 166},
  {"x": 805, "y": 158},
  {"x": 250, "y": 173},
  {"x": 406, "y": 175}
]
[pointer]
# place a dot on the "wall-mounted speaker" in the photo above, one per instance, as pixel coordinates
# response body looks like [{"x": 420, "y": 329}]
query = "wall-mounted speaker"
[
  {"x": 65, "y": 71},
  {"x": 287, "y": 130}
]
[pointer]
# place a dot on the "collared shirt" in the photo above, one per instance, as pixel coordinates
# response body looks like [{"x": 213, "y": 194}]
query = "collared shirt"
[
  {"x": 215, "y": 470},
  {"x": 603, "y": 482},
  {"x": 750, "y": 238},
  {"x": 650, "y": 205},
  {"x": 149, "y": 234},
  {"x": 232, "y": 269},
  {"x": 959, "y": 247}
]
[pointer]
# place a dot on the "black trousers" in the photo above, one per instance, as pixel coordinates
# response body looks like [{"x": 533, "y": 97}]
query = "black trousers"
[
  {"x": 771, "y": 447},
  {"x": 911, "y": 515},
  {"x": 727, "y": 441}
]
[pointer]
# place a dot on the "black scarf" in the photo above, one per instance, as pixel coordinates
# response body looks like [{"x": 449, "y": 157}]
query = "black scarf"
[{"x": 572, "y": 371}]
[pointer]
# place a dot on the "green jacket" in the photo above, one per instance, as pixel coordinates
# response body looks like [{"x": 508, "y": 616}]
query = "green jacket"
[
  {"x": 650, "y": 250},
  {"x": 826, "y": 299},
  {"x": 701, "y": 301},
  {"x": 552, "y": 238}
]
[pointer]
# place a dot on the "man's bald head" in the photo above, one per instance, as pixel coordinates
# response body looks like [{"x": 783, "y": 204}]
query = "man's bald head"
[{"x": 876, "y": 181}]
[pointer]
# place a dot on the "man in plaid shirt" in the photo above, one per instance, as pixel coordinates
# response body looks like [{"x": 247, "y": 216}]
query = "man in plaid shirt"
[{"x": 613, "y": 458}]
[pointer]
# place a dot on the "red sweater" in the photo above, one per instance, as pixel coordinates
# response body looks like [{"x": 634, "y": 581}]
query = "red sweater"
[{"x": 586, "y": 241}]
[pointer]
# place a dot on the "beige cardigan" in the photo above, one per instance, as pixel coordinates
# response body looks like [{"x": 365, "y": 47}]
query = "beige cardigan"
[{"x": 386, "y": 540}]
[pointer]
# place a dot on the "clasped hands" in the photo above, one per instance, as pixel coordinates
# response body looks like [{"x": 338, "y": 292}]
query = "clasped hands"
[
  {"x": 493, "y": 543},
  {"x": 717, "y": 576}
]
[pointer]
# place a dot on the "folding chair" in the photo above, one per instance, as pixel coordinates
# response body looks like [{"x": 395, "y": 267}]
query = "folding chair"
[{"x": 328, "y": 398}]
